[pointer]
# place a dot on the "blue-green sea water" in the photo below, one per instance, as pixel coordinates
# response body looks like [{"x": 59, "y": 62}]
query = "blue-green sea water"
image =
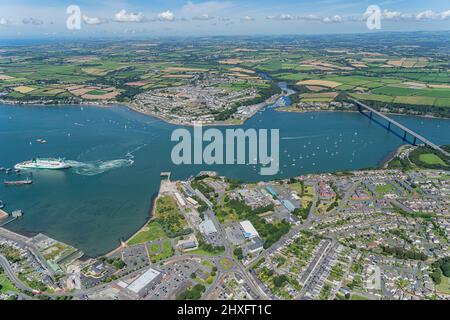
[{"x": 118, "y": 155}]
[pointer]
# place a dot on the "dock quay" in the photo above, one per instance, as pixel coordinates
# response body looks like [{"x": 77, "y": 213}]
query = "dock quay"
[{"x": 166, "y": 175}]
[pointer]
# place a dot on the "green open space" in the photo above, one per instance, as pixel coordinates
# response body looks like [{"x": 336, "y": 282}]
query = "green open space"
[
  {"x": 430, "y": 158},
  {"x": 153, "y": 231}
]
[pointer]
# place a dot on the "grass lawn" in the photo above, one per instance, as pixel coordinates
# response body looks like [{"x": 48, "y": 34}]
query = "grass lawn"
[
  {"x": 152, "y": 232},
  {"x": 444, "y": 287},
  {"x": 226, "y": 263},
  {"x": 384, "y": 189},
  {"x": 166, "y": 251},
  {"x": 203, "y": 253},
  {"x": 309, "y": 190},
  {"x": 358, "y": 297},
  {"x": 208, "y": 263},
  {"x": 430, "y": 158},
  {"x": 297, "y": 187},
  {"x": 6, "y": 285},
  {"x": 155, "y": 248}
]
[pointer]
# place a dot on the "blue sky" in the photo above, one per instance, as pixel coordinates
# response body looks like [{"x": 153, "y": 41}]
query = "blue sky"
[{"x": 47, "y": 18}]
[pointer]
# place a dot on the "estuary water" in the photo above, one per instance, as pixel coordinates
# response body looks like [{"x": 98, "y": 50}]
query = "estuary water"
[{"x": 117, "y": 157}]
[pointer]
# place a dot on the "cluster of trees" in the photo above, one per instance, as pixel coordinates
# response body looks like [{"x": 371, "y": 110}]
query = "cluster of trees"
[
  {"x": 332, "y": 206},
  {"x": 233, "y": 183},
  {"x": 441, "y": 266},
  {"x": 414, "y": 157},
  {"x": 209, "y": 248},
  {"x": 401, "y": 253},
  {"x": 203, "y": 188},
  {"x": 11, "y": 254},
  {"x": 238, "y": 253},
  {"x": 117, "y": 263},
  {"x": 270, "y": 233},
  {"x": 303, "y": 213},
  {"x": 194, "y": 293},
  {"x": 170, "y": 218},
  {"x": 423, "y": 215},
  {"x": 279, "y": 281}
]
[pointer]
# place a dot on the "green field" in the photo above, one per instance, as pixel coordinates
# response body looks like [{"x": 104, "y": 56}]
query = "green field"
[
  {"x": 152, "y": 232},
  {"x": 226, "y": 263},
  {"x": 430, "y": 158},
  {"x": 357, "y": 297},
  {"x": 6, "y": 285},
  {"x": 384, "y": 189},
  {"x": 444, "y": 286},
  {"x": 162, "y": 252},
  {"x": 372, "y": 97}
]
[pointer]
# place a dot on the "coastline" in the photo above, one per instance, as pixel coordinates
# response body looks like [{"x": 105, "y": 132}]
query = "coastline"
[
  {"x": 142, "y": 228},
  {"x": 257, "y": 108},
  {"x": 383, "y": 163},
  {"x": 354, "y": 111},
  {"x": 130, "y": 105}
]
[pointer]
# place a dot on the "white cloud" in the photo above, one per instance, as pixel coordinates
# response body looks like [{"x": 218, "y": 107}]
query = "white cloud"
[
  {"x": 286, "y": 17},
  {"x": 390, "y": 15},
  {"x": 281, "y": 17},
  {"x": 166, "y": 16},
  {"x": 3, "y": 22},
  {"x": 204, "y": 16},
  {"x": 93, "y": 20},
  {"x": 247, "y": 19},
  {"x": 444, "y": 14},
  {"x": 333, "y": 19},
  {"x": 310, "y": 17},
  {"x": 124, "y": 16},
  {"x": 425, "y": 15},
  {"x": 32, "y": 21}
]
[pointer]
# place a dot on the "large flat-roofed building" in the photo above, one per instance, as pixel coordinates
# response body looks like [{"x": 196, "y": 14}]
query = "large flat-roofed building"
[
  {"x": 207, "y": 227},
  {"x": 249, "y": 230},
  {"x": 147, "y": 278},
  {"x": 288, "y": 205}
]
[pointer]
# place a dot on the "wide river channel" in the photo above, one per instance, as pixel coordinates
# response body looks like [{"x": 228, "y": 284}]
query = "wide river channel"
[{"x": 117, "y": 157}]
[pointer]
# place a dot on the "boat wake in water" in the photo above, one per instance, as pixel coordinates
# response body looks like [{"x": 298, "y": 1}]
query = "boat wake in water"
[{"x": 93, "y": 168}]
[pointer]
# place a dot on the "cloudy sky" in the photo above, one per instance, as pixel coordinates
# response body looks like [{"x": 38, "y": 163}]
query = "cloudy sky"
[{"x": 50, "y": 18}]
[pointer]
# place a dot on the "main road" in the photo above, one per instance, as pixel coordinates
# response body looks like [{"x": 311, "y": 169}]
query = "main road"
[{"x": 11, "y": 275}]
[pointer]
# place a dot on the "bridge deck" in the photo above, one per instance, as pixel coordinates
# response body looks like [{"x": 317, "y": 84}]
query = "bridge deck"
[{"x": 402, "y": 127}]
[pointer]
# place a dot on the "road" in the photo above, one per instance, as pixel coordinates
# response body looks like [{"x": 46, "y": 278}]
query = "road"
[
  {"x": 25, "y": 243},
  {"x": 11, "y": 275}
]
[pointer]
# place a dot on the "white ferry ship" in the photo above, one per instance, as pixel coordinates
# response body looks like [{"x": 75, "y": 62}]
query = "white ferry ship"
[{"x": 43, "y": 163}]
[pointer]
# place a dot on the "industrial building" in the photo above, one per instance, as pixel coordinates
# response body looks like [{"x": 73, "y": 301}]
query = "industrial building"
[
  {"x": 146, "y": 279},
  {"x": 249, "y": 230},
  {"x": 207, "y": 227}
]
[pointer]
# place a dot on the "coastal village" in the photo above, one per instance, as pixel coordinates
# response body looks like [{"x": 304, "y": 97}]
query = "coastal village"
[{"x": 380, "y": 234}]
